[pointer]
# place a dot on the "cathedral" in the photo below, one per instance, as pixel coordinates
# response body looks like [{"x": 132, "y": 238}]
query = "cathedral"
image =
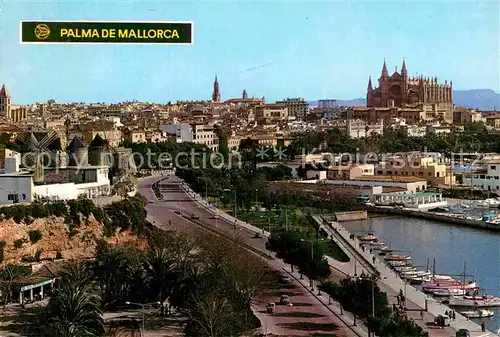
[
  {"x": 12, "y": 113},
  {"x": 400, "y": 90}
]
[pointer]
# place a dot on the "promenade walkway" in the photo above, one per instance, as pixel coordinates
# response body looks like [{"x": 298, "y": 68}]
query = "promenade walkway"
[
  {"x": 392, "y": 284},
  {"x": 389, "y": 280}
]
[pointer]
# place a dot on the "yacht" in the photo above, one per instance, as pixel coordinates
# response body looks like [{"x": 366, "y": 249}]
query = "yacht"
[{"x": 481, "y": 313}]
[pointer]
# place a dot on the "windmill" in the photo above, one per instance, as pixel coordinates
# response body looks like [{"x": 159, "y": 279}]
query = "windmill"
[{"x": 35, "y": 150}]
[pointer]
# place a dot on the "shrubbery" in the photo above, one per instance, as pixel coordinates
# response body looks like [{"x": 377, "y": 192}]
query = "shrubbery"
[
  {"x": 18, "y": 243},
  {"x": 126, "y": 214},
  {"x": 35, "y": 235}
]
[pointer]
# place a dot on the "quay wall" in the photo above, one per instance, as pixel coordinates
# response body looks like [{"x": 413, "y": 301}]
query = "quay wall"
[
  {"x": 351, "y": 216},
  {"x": 436, "y": 217}
]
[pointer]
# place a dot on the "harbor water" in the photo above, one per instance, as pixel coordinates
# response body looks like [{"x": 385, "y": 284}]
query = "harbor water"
[{"x": 449, "y": 245}]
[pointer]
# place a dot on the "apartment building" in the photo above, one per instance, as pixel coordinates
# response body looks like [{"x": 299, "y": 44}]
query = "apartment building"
[
  {"x": 297, "y": 107},
  {"x": 204, "y": 134},
  {"x": 425, "y": 167}
]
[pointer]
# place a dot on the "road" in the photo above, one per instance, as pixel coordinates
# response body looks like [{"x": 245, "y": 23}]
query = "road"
[{"x": 309, "y": 317}]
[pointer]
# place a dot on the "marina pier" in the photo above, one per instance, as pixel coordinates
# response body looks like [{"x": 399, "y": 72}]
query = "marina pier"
[{"x": 362, "y": 261}]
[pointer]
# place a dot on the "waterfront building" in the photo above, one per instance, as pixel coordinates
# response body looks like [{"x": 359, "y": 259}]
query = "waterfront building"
[
  {"x": 297, "y": 107},
  {"x": 417, "y": 200},
  {"x": 400, "y": 90},
  {"x": 394, "y": 184},
  {"x": 417, "y": 165},
  {"x": 486, "y": 178}
]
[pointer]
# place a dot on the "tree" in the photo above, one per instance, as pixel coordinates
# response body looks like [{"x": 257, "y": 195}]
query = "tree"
[
  {"x": 75, "y": 308},
  {"x": 8, "y": 275}
]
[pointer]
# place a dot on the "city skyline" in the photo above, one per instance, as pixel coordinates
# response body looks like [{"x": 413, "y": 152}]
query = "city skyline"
[{"x": 311, "y": 50}]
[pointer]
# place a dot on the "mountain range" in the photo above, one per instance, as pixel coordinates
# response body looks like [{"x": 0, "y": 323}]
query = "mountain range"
[{"x": 481, "y": 99}]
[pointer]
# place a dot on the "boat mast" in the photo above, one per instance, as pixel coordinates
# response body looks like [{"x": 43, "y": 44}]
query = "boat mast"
[
  {"x": 463, "y": 284},
  {"x": 434, "y": 268}
]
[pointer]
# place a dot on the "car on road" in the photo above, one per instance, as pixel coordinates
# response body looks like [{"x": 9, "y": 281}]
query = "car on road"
[{"x": 151, "y": 201}]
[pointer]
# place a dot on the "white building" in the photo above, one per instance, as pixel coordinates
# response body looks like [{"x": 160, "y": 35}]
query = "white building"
[
  {"x": 196, "y": 133},
  {"x": 487, "y": 178},
  {"x": 180, "y": 131},
  {"x": 64, "y": 183}
]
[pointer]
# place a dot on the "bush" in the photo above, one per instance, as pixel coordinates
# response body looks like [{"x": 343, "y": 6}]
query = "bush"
[
  {"x": 3, "y": 244},
  {"x": 58, "y": 256},
  {"x": 18, "y": 243},
  {"x": 2, "y": 255},
  {"x": 35, "y": 235}
]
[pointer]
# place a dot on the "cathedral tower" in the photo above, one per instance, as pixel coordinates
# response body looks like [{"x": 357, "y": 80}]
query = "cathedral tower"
[
  {"x": 216, "y": 92},
  {"x": 5, "y": 102},
  {"x": 400, "y": 90}
]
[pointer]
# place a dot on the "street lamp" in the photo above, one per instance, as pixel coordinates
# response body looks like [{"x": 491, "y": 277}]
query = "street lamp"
[{"x": 142, "y": 305}]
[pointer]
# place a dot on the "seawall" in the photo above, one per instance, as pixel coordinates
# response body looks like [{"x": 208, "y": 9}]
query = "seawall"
[
  {"x": 436, "y": 217},
  {"x": 351, "y": 216}
]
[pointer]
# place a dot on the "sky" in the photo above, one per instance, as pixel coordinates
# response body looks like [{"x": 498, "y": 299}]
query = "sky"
[{"x": 276, "y": 49}]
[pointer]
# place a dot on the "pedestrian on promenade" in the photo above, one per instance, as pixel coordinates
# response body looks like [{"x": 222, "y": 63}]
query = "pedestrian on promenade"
[
  {"x": 399, "y": 299},
  {"x": 453, "y": 314},
  {"x": 421, "y": 314},
  {"x": 363, "y": 248},
  {"x": 374, "y": 259},
  {"x": 371, "y": 250},
  {"x": 394, "y": 308},
  {"x": 483, "y": 327}
]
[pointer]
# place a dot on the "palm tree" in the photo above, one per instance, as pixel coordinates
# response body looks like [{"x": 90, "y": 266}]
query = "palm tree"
[{"x": 75, "y": 308}]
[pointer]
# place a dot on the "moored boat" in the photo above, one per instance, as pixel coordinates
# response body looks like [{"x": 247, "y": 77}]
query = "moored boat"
[
  {"x": 477, "y": 302},
  {"x": 449, "y": 292},
  {"x": 393, "y": 257},
  {"x": 448, "y": 285},
  {"x": 373, "y": 244},
  {"x": 481, "y": 313},
  {"x": 367, "y": 238}
]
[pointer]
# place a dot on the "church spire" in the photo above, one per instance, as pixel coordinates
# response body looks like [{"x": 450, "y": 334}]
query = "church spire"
[
  {"x": 404, "y": 72},
  {"x": 245, "y": 95},
  {"x": 370, "y": 87},
  {"x": 3, "y": 92},
  {"x": 384, "y": 70},
  {"x": 216, "y": 92}
]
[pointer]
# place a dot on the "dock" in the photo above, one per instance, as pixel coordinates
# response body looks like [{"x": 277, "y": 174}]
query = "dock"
[
  {"x": 434, "y": 216},
  {"x": 391, "y": 283}
]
